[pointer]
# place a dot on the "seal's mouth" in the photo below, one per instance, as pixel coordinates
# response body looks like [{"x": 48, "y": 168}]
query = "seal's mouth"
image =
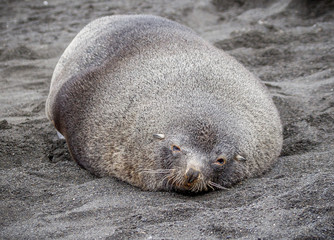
[{"x": 190, "y": 181}]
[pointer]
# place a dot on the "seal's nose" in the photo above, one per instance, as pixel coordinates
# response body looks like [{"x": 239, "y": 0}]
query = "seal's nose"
[{"x": 192, "y": 175}]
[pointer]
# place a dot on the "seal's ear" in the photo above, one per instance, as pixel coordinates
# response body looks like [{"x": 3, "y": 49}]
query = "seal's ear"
[
  {"x": 159, "y": 136},
  {"x": 239, "y": 158}
]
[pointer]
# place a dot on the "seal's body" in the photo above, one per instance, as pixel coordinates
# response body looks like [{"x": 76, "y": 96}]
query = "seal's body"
[{"x": 146, "y": 100}]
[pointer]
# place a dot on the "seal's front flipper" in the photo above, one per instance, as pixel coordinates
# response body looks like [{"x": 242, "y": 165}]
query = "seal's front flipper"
[{"x": 60, "y": 136}]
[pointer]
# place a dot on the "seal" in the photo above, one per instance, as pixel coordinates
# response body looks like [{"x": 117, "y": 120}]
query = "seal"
[{"x": 148, "y": 101}]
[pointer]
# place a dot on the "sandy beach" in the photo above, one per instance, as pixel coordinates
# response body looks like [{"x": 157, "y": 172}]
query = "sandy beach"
[{"x": 288, "y": 44}]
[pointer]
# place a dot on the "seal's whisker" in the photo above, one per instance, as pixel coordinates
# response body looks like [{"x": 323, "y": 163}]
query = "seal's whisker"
[
  {"x": 204, "y": 186},
  {"x": 171, "y": 179},
  {"x": 157, "y": 171},
  {"x": 216, "y": 185},
  {"x": 175, "y": 180},
  {"x": 209, "y": 184},
  {"x": 180, "y": 180},
  {"x": 160, "y": 169},
  {"x": 199, "y": 186},
  {"x": 196, "y": 187},
  {"x": 164, "y": 178}
]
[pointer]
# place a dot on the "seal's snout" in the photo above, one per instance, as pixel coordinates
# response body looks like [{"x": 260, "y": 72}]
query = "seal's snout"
[{"x": 192, "y": 175}]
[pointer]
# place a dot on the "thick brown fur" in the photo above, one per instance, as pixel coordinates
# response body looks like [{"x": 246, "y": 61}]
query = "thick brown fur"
[{"x": 125, "y": 78}]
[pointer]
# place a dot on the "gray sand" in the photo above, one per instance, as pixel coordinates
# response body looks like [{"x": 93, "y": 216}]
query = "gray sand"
[{"x": 289, "y": 44}]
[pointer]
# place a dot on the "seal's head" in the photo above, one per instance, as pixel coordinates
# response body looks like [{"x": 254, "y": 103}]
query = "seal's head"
[{"x": 199, "y": 159}]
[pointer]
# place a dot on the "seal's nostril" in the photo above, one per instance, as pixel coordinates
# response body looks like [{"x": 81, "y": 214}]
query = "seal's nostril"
[{"x": 192, "y": 175}]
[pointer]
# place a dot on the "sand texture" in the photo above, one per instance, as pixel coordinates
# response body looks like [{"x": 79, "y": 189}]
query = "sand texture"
[{"x": 288, "y": 44}]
